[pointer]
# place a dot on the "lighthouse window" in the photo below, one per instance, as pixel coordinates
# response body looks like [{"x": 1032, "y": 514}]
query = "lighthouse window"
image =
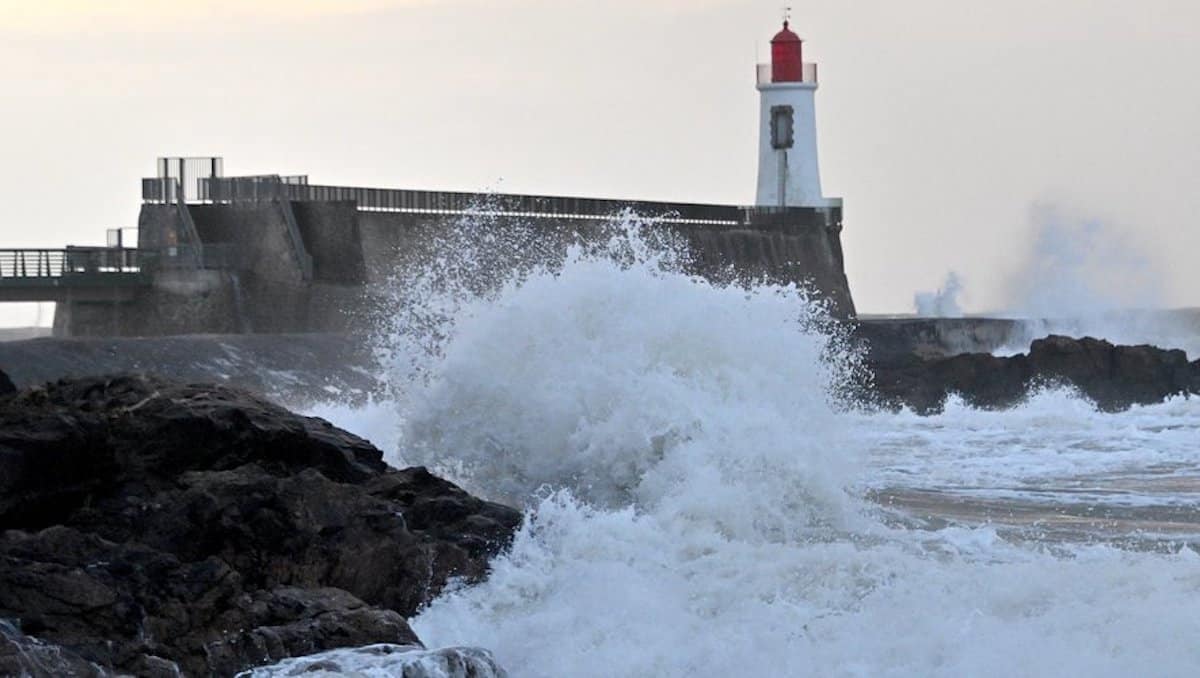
[{"x": 781, "y": 126}]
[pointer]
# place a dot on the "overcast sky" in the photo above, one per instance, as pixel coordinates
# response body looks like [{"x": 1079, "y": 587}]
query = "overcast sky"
[{"x": 951, "y": 127}]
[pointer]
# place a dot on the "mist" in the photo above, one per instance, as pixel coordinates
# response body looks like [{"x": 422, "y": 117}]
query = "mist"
[
  {"x": 1078, "y": 265},
  {"x": 1081, "y": 274},
  {"x": 942, "y": 302}
]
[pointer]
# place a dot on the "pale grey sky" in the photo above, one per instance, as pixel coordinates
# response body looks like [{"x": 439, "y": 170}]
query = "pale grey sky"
[{"x": 946, "y": 125}]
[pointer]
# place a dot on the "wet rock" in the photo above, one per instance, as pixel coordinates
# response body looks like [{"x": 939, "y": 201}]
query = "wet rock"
[
  {"x": 887, "y": 339},
  {"x": 21, "y": 655},
  {"x": 147, "y": 525},
  {"x": 294, "y": 622},
  {"x": 393, "y": 660},
  {"x": 1114, "y": 377}
]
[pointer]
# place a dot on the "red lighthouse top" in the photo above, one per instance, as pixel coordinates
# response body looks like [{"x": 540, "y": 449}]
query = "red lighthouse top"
[{"x": 787, "y": 63}]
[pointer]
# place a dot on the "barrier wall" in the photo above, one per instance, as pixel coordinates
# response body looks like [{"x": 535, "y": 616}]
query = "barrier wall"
[{"x": 252, "y": 277}]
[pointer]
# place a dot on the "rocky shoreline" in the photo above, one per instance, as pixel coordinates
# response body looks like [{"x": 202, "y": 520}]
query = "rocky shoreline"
[
  {"x": 914, "y": 363},
  {"x": 1112, "y": 377},
  {"x": 154, "y": 528}
]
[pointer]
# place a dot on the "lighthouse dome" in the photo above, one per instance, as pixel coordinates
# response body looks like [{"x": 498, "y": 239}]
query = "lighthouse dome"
[
  {"x": 785, "y": 35},
  {"x": 787, "y": 60}
]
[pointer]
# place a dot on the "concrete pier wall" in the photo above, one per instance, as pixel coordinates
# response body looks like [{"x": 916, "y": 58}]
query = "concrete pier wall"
[
  {"x": 255, "y": 277},
  {"x": 804, "y": 253},
  {"x": 179, "y": 302},
  {"x": 782, "y": 250}
]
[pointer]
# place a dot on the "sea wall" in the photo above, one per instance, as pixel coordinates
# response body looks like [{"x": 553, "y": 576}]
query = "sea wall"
[
  {"x": 177, "y": 302},
  {"x": 888, "y": 338},
  {"x": 257, "y": 247},
  {"x": 254, "y": 280},
  {"x": 285, "y": 267},
  {"x": 804, "y": 252},
  {"x": 803, "y": 249}
]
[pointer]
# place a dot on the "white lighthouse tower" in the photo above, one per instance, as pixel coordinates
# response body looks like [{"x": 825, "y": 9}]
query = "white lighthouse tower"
[{"x": 788, "y": 174}]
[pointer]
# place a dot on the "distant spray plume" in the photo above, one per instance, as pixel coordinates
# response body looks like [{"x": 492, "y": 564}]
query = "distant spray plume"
[
  {"x": 1083, "y": 276},
  {"x": 1080, "y": 266},
  {"x": 942, "y": 303}
]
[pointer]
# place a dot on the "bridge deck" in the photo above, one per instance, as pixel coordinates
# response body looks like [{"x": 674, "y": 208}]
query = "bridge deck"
[{"x": 73, "y": 273}]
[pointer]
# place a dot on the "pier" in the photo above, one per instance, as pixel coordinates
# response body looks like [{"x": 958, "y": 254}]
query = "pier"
[
  {"x": 90, "y": 274},
  {"x": 277, "y": 254}
]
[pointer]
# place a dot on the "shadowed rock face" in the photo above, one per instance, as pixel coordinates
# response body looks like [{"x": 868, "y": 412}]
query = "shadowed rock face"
[
  {"x": 888, "y": 339},
  {"x": 147, "y": 525},
  {"x": 1114, "y": 377},
  {"x": 6, "y": 385}
]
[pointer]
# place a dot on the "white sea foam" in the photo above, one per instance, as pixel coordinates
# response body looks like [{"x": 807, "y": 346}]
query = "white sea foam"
[
  {"x": 386, "y": 661},
  {"x": 694, "y": 498},
  {"x": 1056, "y": 447}
]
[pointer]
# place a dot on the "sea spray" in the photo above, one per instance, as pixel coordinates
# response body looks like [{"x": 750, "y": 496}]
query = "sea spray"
[
  {"x": 943, "y": 302},
  {"x": 621, "y": 381},
  {"x": 1086, "y": 276},
  {"x": 693, "y": 497},
  {"x": 1080, "y": 275},
  {"x": 386, "y": 661},
  {"x": 1079, "y": 266},
  {"x": 614, "y": 309}
]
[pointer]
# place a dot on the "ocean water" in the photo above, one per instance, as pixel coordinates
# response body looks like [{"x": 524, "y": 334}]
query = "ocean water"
[{"x": 703, "y": 498}]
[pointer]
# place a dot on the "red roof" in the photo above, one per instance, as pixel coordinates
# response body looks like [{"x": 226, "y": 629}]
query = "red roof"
[{"x": 786, "y": 35}]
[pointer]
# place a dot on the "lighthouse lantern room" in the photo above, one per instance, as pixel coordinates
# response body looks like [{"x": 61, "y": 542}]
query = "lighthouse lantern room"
[{"x": 788, "y": 174}]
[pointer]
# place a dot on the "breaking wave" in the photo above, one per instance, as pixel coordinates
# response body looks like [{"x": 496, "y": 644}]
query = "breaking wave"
[{"x": 695, "y": 491}]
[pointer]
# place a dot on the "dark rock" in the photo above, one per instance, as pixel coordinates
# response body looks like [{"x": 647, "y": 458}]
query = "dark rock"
[
  {"x": 293, "y": 622},
  {"x": 1114, "y": 377},
  {"x": 21, "y": 655},
  {"x": 6, "y": 385},
  {"x": 888, "y": 339},
  {"x": 147, "y": 525}
]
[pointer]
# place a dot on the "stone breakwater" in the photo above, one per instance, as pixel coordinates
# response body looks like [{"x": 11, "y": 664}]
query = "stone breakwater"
[{"x": 154, "y": 528}]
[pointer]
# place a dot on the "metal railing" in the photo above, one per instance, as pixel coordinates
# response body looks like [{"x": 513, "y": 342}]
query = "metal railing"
[
  {"x": 72, "y": 261},
  {"x": 188, "y": 172},
  {"x": 765, "y": 74},
  {"x": 158, "y": 190},
  {"x": 30, "y": 263},
  {"x": 227, "y": 190},
  {"x": 165, "y": 190},
  {"x": 258, "y": 189}
]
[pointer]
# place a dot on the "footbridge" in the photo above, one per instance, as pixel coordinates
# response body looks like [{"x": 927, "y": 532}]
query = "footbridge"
[{"x": 72, "y": 274}]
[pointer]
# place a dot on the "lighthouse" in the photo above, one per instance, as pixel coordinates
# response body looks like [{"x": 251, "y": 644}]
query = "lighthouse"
[{"x": 788, "y": 174}]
